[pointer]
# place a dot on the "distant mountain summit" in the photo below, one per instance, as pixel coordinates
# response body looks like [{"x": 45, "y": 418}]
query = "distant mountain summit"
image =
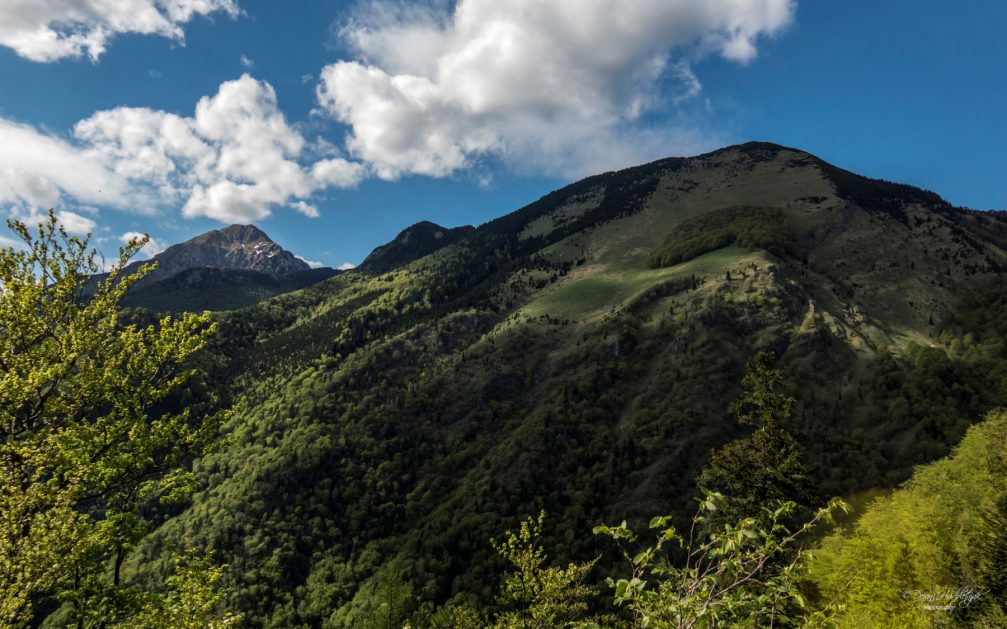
[
  {"x": 243, "y": 247},
  {"x": 413, "y": 243},
  {"x": 222, "y": 269}
]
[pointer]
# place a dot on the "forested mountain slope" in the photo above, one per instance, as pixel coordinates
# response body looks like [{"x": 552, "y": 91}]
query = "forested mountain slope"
[
  {"x": 212, "y": 288},
  {"x": 413, "y": 243},
  {"x": 579, "y": 356}
]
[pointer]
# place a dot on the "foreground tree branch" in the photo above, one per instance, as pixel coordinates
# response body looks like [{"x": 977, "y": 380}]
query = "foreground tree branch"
[{"x": 81, "y": 440}]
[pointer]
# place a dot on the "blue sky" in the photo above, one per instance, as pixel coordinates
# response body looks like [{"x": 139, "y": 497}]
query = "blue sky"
[{"x": 335, "y": 125}]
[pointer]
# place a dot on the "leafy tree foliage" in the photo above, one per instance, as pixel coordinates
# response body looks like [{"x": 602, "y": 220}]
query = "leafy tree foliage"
[
  {"x": 385, "y": 602},
  {"x": 191, "y": 600},
  {"x": 536, "y": 596},
  {"x": 729, "y": 577},
  {"x": 764, "y": 466},
  {"x": 930, "y": 552},
  {"x": 990, "y": 550},
  {"x": 85, "y": 440},
  {"x": 747, "y": 226}
]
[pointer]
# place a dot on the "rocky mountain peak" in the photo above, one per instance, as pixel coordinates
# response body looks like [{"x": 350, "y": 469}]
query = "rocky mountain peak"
[
  {"x": 244, "y": 247},
  {"x": 232, "y": 234}
]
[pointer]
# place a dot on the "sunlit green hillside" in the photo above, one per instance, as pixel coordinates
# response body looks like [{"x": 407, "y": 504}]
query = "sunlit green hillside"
[{"x": 579, "y": 356}]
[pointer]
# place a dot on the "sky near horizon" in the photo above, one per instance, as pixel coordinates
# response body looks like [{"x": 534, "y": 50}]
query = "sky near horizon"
[{"x": 334, "y": 125}]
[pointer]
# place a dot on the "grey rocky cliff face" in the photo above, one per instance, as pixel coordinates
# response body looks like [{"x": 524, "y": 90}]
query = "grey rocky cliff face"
[{"x": 236, "y": 247}]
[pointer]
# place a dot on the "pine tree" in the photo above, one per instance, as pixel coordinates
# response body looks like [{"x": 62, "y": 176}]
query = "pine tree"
[{"x": 765, "y": 465}]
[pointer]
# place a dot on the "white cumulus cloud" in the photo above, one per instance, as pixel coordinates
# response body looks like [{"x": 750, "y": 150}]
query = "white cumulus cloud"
[
  {"x": 557, "y": 85},
  {"x": 37, "y": 170},
  {"x": 235, "y": 160},
  {"x": 306, "y": 209},
  {"x": 75, "y": 223},
  {"x": 151, "y": 249},
  {"x": 48, "y": 30},
  {"x": 338, "y": 172},
  {"x": 10, "y": 243},
  {"x": 72, "y": 222},
  {"x": 315, "y": 264}
]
